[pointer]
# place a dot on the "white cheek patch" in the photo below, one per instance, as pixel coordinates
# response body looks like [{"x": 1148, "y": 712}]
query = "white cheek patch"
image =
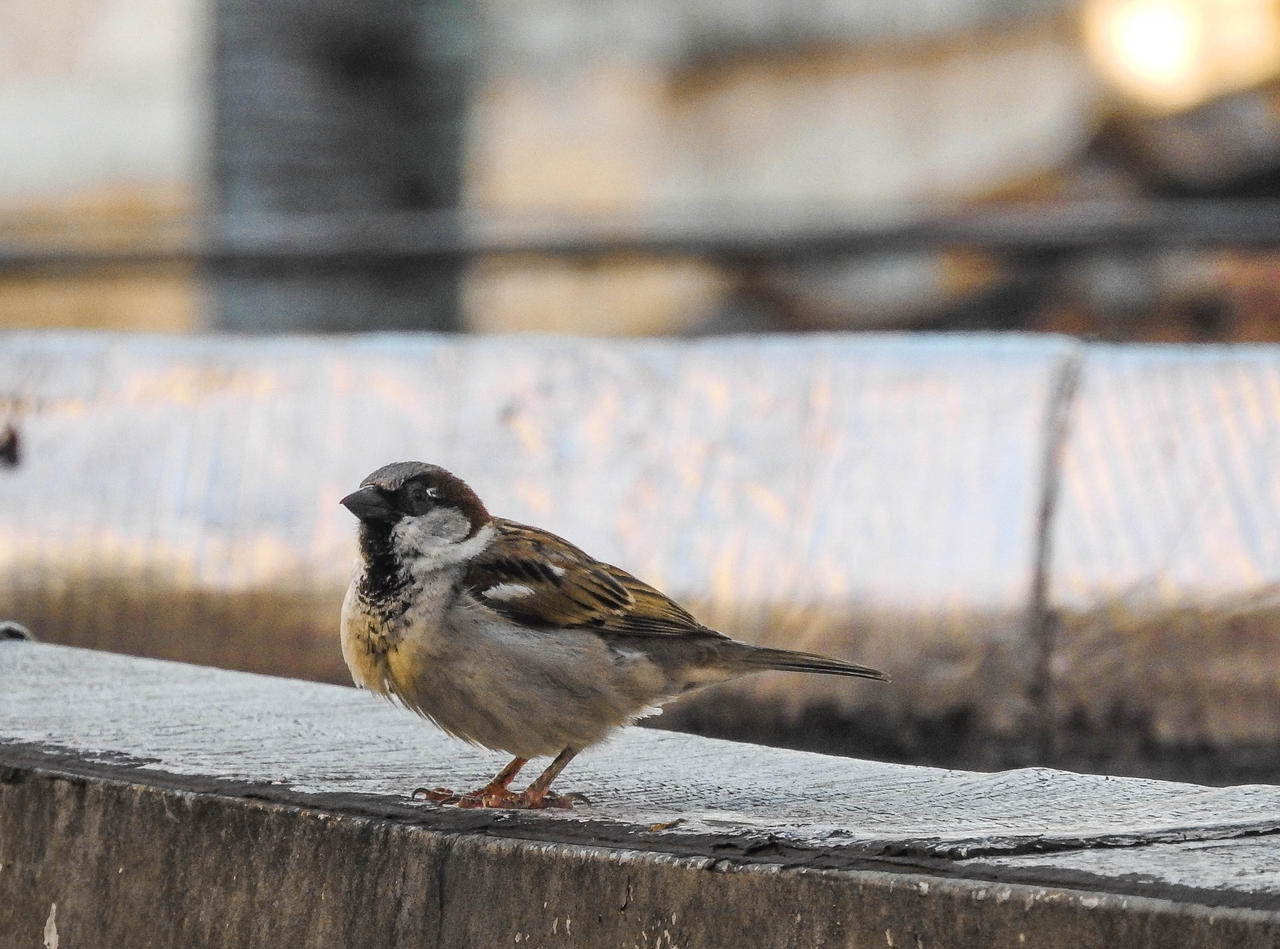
[
  {"x": 429, "y": 531},
  {"x": 507, "y": 591},
  {"x": 434, "y": 540}
]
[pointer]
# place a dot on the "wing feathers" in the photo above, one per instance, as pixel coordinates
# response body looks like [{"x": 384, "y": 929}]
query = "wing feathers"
[
  {"x": 565, "y": 588},
  {"x": 541, "y": 580}
]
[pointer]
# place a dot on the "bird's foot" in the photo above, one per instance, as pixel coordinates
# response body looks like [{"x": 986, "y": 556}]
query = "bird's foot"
[
  {"x": 525, "y": 801},
  {"x": 497, "y": 797},
  {"x": 488, "y": 796}
]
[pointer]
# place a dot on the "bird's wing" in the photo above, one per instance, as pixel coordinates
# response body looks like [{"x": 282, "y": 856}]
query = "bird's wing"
[{"x": 538, "y": 579}]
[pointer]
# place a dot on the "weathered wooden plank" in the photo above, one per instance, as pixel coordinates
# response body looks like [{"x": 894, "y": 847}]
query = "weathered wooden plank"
[
  {"x": 173, "y": 804},
  {"x": 180, "y": 720}
]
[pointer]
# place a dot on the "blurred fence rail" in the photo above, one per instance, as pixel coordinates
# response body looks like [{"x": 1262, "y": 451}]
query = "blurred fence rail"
[
  {"x": 733, "y": 235},
  {"x": 1184, "y": 270}
]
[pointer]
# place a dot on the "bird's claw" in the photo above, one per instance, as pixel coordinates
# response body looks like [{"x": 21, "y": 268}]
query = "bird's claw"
[
  {"x": 510, "y": 800},
  {"x": 526, "y": 802},
  {"x": 486, "y": 797},
  {"x": 435, "y": 795}
]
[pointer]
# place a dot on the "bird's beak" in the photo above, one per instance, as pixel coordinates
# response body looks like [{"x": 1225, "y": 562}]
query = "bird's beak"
[{"x": 370, "y": 504}]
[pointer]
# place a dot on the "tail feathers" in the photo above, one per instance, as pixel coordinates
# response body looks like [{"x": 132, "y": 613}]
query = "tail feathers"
[{"x": 785, "y": 659}]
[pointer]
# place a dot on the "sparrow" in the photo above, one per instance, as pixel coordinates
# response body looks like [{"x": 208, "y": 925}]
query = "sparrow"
[{"x": 512, "y": 638}]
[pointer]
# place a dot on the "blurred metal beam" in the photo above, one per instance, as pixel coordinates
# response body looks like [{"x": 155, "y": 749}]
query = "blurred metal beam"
[
  {"x": 328, "y": 107},
  {"x": 432, "y": 238}
]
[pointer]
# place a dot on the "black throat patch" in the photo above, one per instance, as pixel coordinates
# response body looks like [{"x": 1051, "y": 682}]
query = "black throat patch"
[{"x": 384, "y": 575}]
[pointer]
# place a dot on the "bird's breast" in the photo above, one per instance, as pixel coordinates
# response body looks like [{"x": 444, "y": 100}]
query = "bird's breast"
[
  {"x": 379, "y": 635},
  {"x": 365, "y": 643}
]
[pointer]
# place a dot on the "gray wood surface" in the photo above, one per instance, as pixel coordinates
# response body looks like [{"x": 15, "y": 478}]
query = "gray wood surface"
[{"x": 196, "y": 728}]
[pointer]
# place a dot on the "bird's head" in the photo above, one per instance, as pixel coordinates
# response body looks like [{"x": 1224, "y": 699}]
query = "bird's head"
[{"x": 413, "y": 510}]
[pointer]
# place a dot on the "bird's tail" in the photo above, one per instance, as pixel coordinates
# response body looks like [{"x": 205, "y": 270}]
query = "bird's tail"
[{"x": 761, "y": 658}]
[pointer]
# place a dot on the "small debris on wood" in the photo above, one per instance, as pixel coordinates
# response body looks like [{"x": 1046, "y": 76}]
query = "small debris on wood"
[
  {"x": 9, "y": 629},
  {"x": 10, "y": 447}
]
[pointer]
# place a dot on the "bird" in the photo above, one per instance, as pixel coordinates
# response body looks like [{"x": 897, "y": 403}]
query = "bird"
[{"x": 509, "y": 637}]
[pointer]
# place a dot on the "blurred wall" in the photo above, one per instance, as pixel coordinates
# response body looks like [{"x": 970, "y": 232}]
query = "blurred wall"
[
  {"x": 836, "y": 110},
  {"x": 129, "y": 114},
  {"x": 104, "y": 119}
]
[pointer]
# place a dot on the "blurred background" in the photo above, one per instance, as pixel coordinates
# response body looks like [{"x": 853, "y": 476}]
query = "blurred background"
[
  {"x": 1097, "y": 167},
  {"x": 891, "y": 274}
]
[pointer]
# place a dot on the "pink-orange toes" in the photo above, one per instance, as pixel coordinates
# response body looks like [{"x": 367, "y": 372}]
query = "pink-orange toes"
[
  {"x": 489, "y": 797},
  {"x": 496, "y": 793},
  {"x": 534, "y": 802}
]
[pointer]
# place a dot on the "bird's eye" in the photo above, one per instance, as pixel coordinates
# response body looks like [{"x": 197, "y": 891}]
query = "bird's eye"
[{"x": 419, "y": 495}]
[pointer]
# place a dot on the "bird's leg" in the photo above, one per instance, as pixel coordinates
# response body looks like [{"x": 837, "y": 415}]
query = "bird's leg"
[
  {"x": 497, "y": 793},
  {"x": 493, "y": 794},
  {"x": 536, "y": 794}
]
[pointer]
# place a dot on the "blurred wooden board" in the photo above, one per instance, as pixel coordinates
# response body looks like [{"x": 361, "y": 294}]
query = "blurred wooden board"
[
  {"x": 870, "y": 497},
  {"x": 1166, "y": 559},
  {"x": 886, "y": 499}
]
